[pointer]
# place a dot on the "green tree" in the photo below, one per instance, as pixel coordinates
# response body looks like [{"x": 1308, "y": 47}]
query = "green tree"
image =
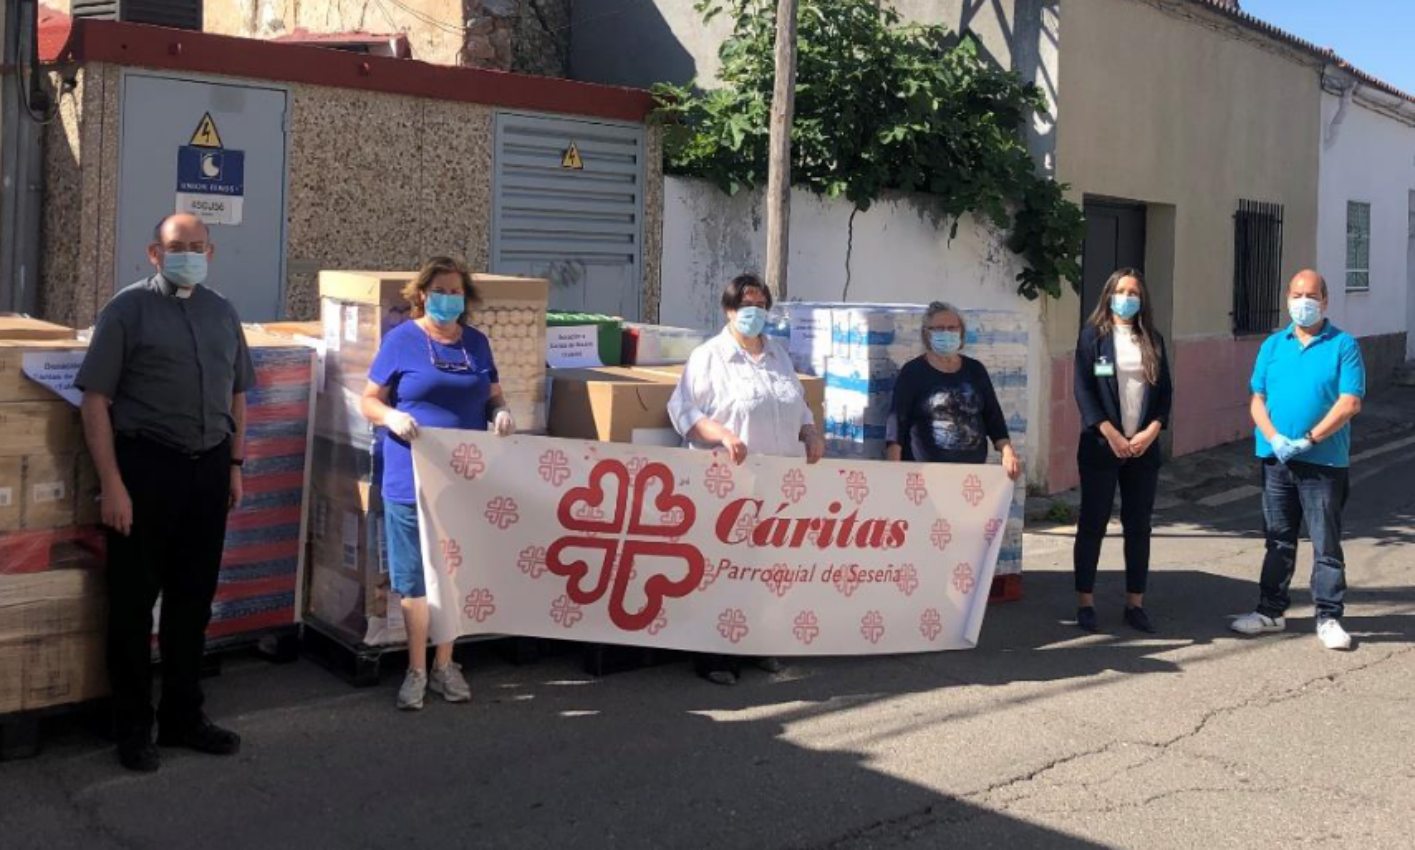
[{"x": 879, "y": 105}]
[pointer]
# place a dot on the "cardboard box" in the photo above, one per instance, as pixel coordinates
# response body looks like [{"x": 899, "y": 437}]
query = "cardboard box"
[
  {"x": 39, "y": 427},
  {"x": 19, "y": 327},
  {"x": 38, "y": 491},
  {"x": 621, "y": 404},
  {"x": 14, "y": 385},
  {"x": 51, "y": 639}
]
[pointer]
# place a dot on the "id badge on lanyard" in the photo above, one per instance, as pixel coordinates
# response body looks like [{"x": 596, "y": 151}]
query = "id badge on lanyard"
[{"x": 1104, "y": 368}]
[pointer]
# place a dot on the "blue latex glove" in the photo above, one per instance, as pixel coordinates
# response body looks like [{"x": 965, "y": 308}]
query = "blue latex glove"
[{"x": 1285, "y": 449}]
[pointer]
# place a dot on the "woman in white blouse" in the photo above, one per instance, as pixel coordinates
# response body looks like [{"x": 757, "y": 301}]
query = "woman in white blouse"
[
  {"x": 740, "y": 393},
  {"x": 1124, "y": 394}
]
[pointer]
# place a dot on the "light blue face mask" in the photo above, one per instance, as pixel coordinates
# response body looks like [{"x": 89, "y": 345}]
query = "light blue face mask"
[
  {"x": 184, "y": 269},
  {"x": 1305, "y": 312},
  {"x": 750, "y": 321},
  {"x": 945, "y": 342},
  {"x": 445, "y": 309},
  {"x": 1125, "y": 306}
]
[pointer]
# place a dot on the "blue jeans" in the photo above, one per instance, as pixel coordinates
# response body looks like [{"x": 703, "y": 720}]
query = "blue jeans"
[
  {"x": 1291, "y": 493},
  {"x": 405, "y": 550}
]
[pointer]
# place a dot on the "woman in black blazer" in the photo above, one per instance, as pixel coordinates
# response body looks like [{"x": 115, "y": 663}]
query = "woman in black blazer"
[{"x": 1124, "y": 392}]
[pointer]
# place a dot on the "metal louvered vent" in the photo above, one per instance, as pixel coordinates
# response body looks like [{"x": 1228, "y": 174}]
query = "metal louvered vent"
[{"x": 182, "y": 14}]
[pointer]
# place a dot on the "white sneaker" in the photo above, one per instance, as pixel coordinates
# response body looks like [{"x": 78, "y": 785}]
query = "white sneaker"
[
  {"x": 450, "y": 682},
  {"x": 1332, "y": 635},
  {"x": 1254, "y": 623},
  {"x": 410, "y": 694}
]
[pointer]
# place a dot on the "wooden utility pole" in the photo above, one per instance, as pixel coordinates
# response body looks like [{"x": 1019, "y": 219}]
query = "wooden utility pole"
[{"x": 778, "y": 181}]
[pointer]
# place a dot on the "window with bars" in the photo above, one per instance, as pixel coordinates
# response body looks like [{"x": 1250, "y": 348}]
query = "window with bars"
[
  {"x": 1358, "y": 246},
  {"x": 1257, "y": 267}
]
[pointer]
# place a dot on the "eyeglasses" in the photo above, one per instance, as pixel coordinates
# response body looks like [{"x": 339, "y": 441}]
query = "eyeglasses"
[{"x": 448, "y": 365}]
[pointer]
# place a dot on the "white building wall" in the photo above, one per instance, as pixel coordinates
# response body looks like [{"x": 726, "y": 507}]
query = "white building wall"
[
  {"x": 1367, "y": 157},
  {"x": 901, "y": 253}
]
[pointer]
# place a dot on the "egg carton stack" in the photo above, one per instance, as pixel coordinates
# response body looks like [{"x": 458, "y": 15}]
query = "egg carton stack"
[{"x": 512, "y": 315}]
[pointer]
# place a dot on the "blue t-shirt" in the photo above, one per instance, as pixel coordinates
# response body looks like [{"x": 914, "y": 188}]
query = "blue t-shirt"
[
  {"x": 1302, "y": 383},
  {"x": 440, "y": 386}
]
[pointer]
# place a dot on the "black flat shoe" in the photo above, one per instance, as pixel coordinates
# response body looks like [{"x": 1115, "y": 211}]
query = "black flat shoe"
[
  {"x": 138, "y": 754},
  {"x": 1086, "y": 619},
  {"x": 1137, "y": 619},
  {"x": 204, "y": 737}
]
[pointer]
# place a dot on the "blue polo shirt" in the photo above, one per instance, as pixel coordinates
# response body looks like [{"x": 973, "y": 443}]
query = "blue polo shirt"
[{"x": 1302, "y": 383}]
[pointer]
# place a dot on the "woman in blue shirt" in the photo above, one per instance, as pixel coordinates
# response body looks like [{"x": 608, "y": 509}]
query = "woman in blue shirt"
[{"x": 437, "y": 372}]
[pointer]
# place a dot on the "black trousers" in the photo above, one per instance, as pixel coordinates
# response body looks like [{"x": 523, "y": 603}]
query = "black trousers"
[
  {"x": 1138, "y": 480},
  {"x": 180, "y": 503}
]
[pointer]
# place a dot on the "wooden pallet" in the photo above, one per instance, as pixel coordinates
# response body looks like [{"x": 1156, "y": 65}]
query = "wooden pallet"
[
  {"x": 22, "y": 733},
  {"x": 362, "y": 665}
]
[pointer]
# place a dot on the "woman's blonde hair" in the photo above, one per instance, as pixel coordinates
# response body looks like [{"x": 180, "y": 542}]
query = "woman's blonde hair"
[{"x": 416, "y": 291}]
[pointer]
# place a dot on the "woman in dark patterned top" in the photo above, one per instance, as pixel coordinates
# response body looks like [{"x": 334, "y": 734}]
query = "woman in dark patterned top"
[{"x": 945, "y": 409}]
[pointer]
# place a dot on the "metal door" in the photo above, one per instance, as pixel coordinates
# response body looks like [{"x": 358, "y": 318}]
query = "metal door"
[
  {"x": 1115, "y": 238},
  {"x": 163, "y": 115},
  {"x": 568, "y": 206}
]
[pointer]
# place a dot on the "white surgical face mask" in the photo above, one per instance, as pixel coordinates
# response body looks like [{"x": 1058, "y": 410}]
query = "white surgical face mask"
[{"x": 1304, "y": 310}]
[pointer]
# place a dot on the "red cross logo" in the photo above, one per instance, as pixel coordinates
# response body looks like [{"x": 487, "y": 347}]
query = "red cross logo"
[
  {"x": 931, "y": 624},
  {"x": 973, "y": 490},
  {"x": 915, "y": 489},
  {"x": 467, "y": 461},
  {"x": 502, "y": 512},
  {"x": 872, "y": 626},
  {"x": 856, "y": 488},
  {"x": 963, "y": 579},
  {"x": 554, "y": 467},
  {"x": 451, "y": 555},
  {"x": 732, "y": 624},
  {"x": 609, "y": 546},
  {"x": 991, "y": 529},
  {"x": 718, "y": 480},
  {"x": 941, "y": 534},
  {"x": 479, "y": 604},
  {"x": 793, "y": 485},
  {"x": 564, "y": 612},
  {"x": 806, "y": 627},
  {"x": 908, "y": 579},
  {"x": 532, "y": 561}
]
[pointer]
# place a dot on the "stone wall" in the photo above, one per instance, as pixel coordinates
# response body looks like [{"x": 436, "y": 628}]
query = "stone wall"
[{"x": 529, "y": 36}]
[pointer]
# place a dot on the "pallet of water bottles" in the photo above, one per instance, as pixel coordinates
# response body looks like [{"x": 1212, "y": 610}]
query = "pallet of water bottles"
[{"x": 859, "y": 350}]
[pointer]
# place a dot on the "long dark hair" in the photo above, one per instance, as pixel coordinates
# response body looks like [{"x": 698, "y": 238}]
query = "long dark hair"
[{"x": 1143, "y": 324}]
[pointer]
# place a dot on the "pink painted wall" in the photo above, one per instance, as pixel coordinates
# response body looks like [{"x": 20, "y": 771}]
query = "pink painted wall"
[
  {"x": 1210, "y": 402},
  {"x": 1065, "y": 423},
  {"x": 1211, "y": 392}
]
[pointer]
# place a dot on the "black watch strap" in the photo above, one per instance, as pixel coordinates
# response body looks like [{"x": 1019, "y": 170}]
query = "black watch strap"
[{"x": 238, "y": 461}]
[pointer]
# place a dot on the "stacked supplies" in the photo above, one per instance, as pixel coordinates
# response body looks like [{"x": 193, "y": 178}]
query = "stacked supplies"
[
  {"x": 348, "y": 591},
  {"x": 259, "y": 585},
  {"x": 512, "y": 314},
  {"x": 859, "y": 348},
  {"x": 51, "y": 582}
]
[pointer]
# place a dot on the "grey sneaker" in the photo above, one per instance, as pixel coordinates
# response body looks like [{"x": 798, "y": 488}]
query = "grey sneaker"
[
  {"x": 450, "y": 682},
  {"x": 410, "y": 695}
]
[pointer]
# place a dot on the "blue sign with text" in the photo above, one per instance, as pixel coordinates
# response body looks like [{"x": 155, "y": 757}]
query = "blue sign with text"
[{"x": 211, "y": 171}]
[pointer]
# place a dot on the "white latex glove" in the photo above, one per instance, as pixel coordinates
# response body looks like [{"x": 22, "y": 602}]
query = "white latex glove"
[
  {"x": 503, "y": 424},
  {"x": 403, "y": 426}
]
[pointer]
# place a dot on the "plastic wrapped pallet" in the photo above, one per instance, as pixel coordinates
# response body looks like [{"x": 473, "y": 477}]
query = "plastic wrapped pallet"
[{"x": 261, "y": 579}]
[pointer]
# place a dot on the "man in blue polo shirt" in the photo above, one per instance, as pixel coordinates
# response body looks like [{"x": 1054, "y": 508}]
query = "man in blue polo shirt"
[{"x": 1307, "y": 385}]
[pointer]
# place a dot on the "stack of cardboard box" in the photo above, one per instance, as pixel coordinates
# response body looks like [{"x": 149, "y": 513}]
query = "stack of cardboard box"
[
  {"x": 349, "y": 594},
  {"x": 51, "y": 594},
  {"x": 620, "y": 404}
]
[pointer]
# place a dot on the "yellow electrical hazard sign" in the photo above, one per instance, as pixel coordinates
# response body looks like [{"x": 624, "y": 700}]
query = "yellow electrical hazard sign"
[
  {"x": 206, "y": 135},
  {"x": 571, "y": 158}
]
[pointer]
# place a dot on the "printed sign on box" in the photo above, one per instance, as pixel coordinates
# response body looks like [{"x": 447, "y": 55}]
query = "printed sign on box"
[{"x": 650, "y": 546}]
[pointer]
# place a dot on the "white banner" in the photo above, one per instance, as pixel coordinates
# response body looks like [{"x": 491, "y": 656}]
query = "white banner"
[{"x": 628, "y": 544}]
